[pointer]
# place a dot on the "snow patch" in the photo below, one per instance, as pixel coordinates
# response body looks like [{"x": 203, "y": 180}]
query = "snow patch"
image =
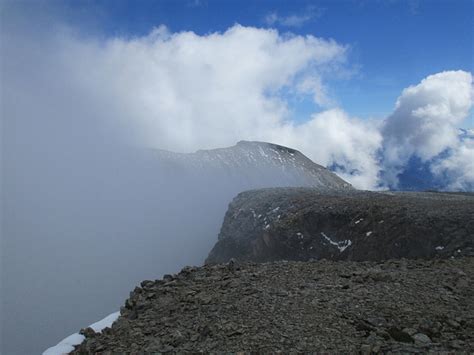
[
  {"x": 439, "y": 248},
  {"x": 368, "y": 233},
  {"x": 253, "y": 213},
  {"x": 342, "y": 245},
  {"x": 66, "y": 345},
  {"x": 358, "y": 221}
]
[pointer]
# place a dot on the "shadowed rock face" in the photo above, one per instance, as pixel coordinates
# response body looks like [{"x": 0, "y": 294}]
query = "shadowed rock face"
[{"x": 303, "y": 224}]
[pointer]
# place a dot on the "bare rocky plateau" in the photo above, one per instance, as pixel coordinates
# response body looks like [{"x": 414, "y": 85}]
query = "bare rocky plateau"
[{"x": 392, "y": 306}]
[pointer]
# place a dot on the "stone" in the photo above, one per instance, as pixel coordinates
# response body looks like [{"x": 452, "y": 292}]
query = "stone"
[
  {"x": 167, "y": 277},
  {"x": 421, "y": 338},
  {"x": 400, "y": 335},
  {"x": 366, "y": 349}
]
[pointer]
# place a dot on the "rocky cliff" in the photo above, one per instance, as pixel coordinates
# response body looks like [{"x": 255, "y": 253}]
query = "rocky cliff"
[{"x": 303, "y": 224}]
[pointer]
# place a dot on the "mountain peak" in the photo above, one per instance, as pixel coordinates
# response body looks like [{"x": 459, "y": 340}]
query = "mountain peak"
[
  {"x": 254, "y": 144},
  {"x": 260, "y": 164}
]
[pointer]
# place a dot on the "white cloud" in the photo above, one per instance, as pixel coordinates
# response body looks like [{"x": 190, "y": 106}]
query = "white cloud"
[
  {"x": 183, "y": 92},
  {"x": 426, "y": 120},
  {"x": 458, "y": 167},
  {"x": 332, "y": 137},
  {"x": 293, "y": 20},
  {"x": 191, "y": 92},
  {"x": 313, "y": 85}
]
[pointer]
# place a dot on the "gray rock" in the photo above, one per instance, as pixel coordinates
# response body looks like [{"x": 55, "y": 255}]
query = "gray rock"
[{"x": 421, "y": 338}]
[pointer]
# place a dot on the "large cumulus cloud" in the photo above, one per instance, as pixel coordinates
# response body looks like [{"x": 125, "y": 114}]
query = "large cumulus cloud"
[
  {"x": 183, "y": 91},
  {"x": 426, "y": 124}
]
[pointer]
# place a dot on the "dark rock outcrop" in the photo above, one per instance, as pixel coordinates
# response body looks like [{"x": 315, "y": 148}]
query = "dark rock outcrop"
[
  {"x": 400, "y": 306},
  {"x": 303, "y": 224}
]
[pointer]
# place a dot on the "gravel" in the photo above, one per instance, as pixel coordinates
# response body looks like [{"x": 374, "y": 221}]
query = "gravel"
[{"x": 337, "y": 306}]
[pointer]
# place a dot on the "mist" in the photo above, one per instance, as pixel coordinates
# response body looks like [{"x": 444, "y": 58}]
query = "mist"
[{"x": 88, "y": 209}]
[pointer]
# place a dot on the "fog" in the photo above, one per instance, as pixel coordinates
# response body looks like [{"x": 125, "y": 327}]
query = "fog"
[
  {"x": 87, "y": 217},
  {"x": 87, "y": 210}
]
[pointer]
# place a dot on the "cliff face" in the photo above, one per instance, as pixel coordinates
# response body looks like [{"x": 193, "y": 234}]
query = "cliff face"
[{"x": 303, "y": 224}]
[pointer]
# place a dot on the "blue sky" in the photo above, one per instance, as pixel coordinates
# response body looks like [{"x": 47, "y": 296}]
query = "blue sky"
[{"x": 393, "y": 43}]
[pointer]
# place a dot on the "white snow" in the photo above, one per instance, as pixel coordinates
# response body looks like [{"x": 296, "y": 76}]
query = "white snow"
[
  {"x": 368, "y": 233},
  {"x": 262, "y": 152},
  {"x": 342, "y": 245},
  {"x": 359, "y": 220},
  {"x": 439, "y": 248},
  {"x": 66, "y": 345}
]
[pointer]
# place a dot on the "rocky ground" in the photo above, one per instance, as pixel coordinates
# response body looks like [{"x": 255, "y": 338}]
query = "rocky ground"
[
  {"x": 304, "y": 223},
  {"x": 335, "y": 306}
]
